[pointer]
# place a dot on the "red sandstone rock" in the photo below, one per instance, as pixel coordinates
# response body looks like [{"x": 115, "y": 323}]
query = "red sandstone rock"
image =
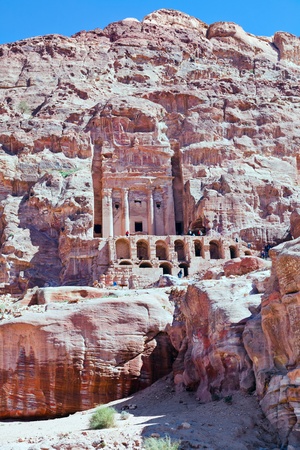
[
  {"x": 273, "y": 344},
  {"x": 73, "y": 357},
  {"x": 212, "y": 357},
  {"x": 241, "y": 266},
  {"x": 295, "y": 223}
]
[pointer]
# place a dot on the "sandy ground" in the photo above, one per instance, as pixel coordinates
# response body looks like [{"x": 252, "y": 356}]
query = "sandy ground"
[{"x": 159, "y": 411}]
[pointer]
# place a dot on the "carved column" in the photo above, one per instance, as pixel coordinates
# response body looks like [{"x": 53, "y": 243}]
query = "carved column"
[
  {"x": 169, "y": 215},
  {"x": 126, "y": 211},
  {"x": 151, "y": 227},
  {"x": 107, "y": 211}
]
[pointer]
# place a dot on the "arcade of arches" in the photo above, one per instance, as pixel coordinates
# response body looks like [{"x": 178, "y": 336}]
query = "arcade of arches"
[{"x": 139, "y": 212}]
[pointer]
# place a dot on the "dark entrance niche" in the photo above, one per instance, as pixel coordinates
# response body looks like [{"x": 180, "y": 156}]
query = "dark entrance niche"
[
  {"x": 233, "y": 252},
  {"x": 145, "y": 265},
  {"x": 214, "y": 250},
  {"x": 185, "y": 269},
  {"x": 179, "y": 228},
  {"x": 97, "y": 229},
  {"x": 123, "y": 249},
  {"x": 197, "y": 249},
  {"x": 179, "y": 249},
  {"x": 138, "y": 226},
  {"x": 167, "y": 270},
  {"x": 142, "y": 250},
  {"x": 161, "y": 250}
]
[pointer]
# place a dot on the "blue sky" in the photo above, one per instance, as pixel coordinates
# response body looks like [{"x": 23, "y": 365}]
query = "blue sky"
[{"x": 20, "y": 19}]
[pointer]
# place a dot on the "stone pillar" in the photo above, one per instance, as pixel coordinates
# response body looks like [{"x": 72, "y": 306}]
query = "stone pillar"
[
  {"x": 169, "y": 215},
  {"x": 107, "y": 211},
  {"x": 126, "y": 211},
  {"x": 151, "y": 227}
]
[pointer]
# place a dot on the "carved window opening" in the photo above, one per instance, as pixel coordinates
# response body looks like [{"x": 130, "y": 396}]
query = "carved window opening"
[
  {"x": 158, "y": 205},
  {"x": 123, "y": 249},
  {"x": 117, "y": 206},
  {"x": 125, "y": 263},
  {"x": 185, "y": 268},
  {"x": 138, "y": 227},
  {"x": 142, "y": 250},
  {"x": 161, "y": 250},
  {"x": 179, "y": 249},
  {"x": 167, "y": 269},
  {"x": 214, "y": 250},
  {"x": 138, "y": 202},
  {"x": 179, "y": 228},
  {"x": 145, "y": 265},
  {"x": 98, "y": 229},
  {"x": 198, "y": 249}
]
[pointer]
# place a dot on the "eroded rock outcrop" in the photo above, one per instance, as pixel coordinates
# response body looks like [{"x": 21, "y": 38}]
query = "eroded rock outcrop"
[
  {"x": 74, "y": 356},
  {"x": 209, "y": 324},
  {"x": 273, "y": 344}
]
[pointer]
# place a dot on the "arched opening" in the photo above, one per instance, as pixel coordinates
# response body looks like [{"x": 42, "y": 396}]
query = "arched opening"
[
  {"x": 198, "y": 249},
  {"x": 214, "y": 250},
  {"x": 142, "y": 250},
  {"x": 185, "y": 268},
  {"x": 197, "y": 228},
  {"x": 233, "y": 252},
  {"x": 247, "y": 253},
  {"x": 167, "y": 269},
  {"x": 179, "y": 249},
  {"x": 145, "y": 265},
  {"x": 125, "y": 263},
  {"x": 123, "y": 249},
  {"x": 161, "y": 250}
]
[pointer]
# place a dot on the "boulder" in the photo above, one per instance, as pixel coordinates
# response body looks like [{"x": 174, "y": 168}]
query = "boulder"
[
  {"x": 215, "y": 362},
  {"x": 244, "y": 265}
]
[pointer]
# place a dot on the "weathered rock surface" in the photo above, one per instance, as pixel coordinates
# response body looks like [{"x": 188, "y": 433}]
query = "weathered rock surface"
[
  {"x": 221, "y": 103},
  {"x": 207, "y": 331},
  {"x": 241, "y": 266},
  {"x": 73, "y": 357},
  {"x": 272, "y": 342}
]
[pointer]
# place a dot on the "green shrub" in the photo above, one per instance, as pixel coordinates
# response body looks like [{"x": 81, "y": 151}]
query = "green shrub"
[
  {"x": 103, "y": 417},
  {"x": 65, "y": 173},
  {"x": 24, "y": 108},
  {"x": 160, "y": 444}
]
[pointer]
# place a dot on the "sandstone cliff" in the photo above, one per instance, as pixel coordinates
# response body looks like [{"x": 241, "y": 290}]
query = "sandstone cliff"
[
  {"x": 203, "y": 120},
  {"x": 73, "y": 357},
  {"x": 211, "y": 106}
]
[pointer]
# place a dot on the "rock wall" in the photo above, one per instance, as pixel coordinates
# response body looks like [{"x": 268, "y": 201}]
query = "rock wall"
[
  {"x": 215, "y": 106},
  {"x": 274, "y": 344},
  {"x": 242, "y": 333},
  {"x": 208, "y": 333},
  {"x": 74, "y": 356}
]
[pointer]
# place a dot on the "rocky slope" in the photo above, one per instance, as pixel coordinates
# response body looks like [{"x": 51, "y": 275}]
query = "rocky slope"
[{"x": 225, "y": 103}]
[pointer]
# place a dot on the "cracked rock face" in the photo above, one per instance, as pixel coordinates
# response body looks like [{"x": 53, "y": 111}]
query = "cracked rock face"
[
  {"x": 74, "y": 357},
  {"x": 224, "y": 102}
]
